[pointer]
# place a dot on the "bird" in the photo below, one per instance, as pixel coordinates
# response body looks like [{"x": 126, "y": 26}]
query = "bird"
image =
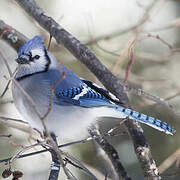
[{"x": 68, "y": 103}]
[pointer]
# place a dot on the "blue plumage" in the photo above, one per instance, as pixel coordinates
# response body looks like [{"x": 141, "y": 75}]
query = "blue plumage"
[
  {"x": 90, "y": 99},
  {"x": 75, "y": 91},
  {"x": 73, "y": 96},
  {"x": 156, "y": 123},
  {"x": 35, "y": 43}
]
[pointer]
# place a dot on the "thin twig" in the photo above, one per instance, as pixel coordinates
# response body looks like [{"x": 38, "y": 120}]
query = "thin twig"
[
  {"x": 168, "y": 162},
  {"x": 6, "y": 101},
  {"x": 12, "y": 119},
  {"x": 135, "y": 27},
  {"x": 23, "y": 149},
  {"x": 5, "y": 90},
  {"x": 131, "y": 61},
  {"x": 80, "y": 165},
  {"x": 55, "y": 166},
  {"x": 42, "y": 151},
  {"x": 10, "y": 74},
  {"x": 142, "y": 93},
  {"x": 7, "y": 65},
  {"x": 4, "y": 135}
]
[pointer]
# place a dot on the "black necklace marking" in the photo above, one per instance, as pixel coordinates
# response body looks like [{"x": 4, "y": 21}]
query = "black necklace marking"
[{"x": 48, "y": 60}]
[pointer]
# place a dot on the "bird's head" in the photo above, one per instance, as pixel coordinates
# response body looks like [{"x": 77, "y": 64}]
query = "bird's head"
[{"x": 32, "y": 58}]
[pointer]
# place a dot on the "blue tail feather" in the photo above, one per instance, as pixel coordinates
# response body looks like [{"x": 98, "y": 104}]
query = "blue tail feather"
[{"x": 151, "y": 121}]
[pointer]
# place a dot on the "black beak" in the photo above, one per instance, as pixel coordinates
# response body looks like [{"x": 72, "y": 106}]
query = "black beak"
[{"x": 22, "y": 60}]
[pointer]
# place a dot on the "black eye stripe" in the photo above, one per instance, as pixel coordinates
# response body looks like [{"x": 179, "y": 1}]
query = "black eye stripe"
[
  {"x": 31, "y": 58},
  {"x": 36, "y": 57}
]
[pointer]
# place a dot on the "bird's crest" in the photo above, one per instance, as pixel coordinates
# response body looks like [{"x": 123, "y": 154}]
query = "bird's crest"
[{"x": 35, "y": 43}]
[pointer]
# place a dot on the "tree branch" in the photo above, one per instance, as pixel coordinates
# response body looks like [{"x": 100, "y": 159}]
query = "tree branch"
[
  {"x": 55, "y": 166},
  {"x": 12, "y": 36},
  {"x": 111, "y": 153}
]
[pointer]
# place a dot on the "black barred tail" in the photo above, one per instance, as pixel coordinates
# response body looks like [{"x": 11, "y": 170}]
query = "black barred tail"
[{"x": 155, "y": 123}]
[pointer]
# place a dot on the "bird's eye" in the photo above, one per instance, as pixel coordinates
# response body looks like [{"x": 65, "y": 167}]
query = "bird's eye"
[{"x": 36, "y": 57}]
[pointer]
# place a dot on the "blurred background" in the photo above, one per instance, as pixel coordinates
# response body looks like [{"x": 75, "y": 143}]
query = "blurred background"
[{"x": 108, "y": 28}]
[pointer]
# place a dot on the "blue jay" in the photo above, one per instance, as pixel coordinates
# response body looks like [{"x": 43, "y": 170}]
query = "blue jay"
[{"x": 76, "y": 102}]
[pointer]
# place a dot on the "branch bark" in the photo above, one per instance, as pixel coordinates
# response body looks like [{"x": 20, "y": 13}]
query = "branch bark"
[
  {"x": 55, "y": 166},
  {"x": 112, "y": 155},
  {"x": 11, "y": 36},
  {"x": 111, "y": 82}
]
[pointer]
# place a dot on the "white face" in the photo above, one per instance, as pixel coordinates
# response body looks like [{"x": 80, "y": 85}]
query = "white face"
[{"x": 34, "y": 62}]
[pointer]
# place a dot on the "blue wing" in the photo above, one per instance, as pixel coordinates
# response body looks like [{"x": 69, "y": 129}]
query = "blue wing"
[
  {"x": 84, "y": 96},
  {"x": 71, "y": 90}
]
